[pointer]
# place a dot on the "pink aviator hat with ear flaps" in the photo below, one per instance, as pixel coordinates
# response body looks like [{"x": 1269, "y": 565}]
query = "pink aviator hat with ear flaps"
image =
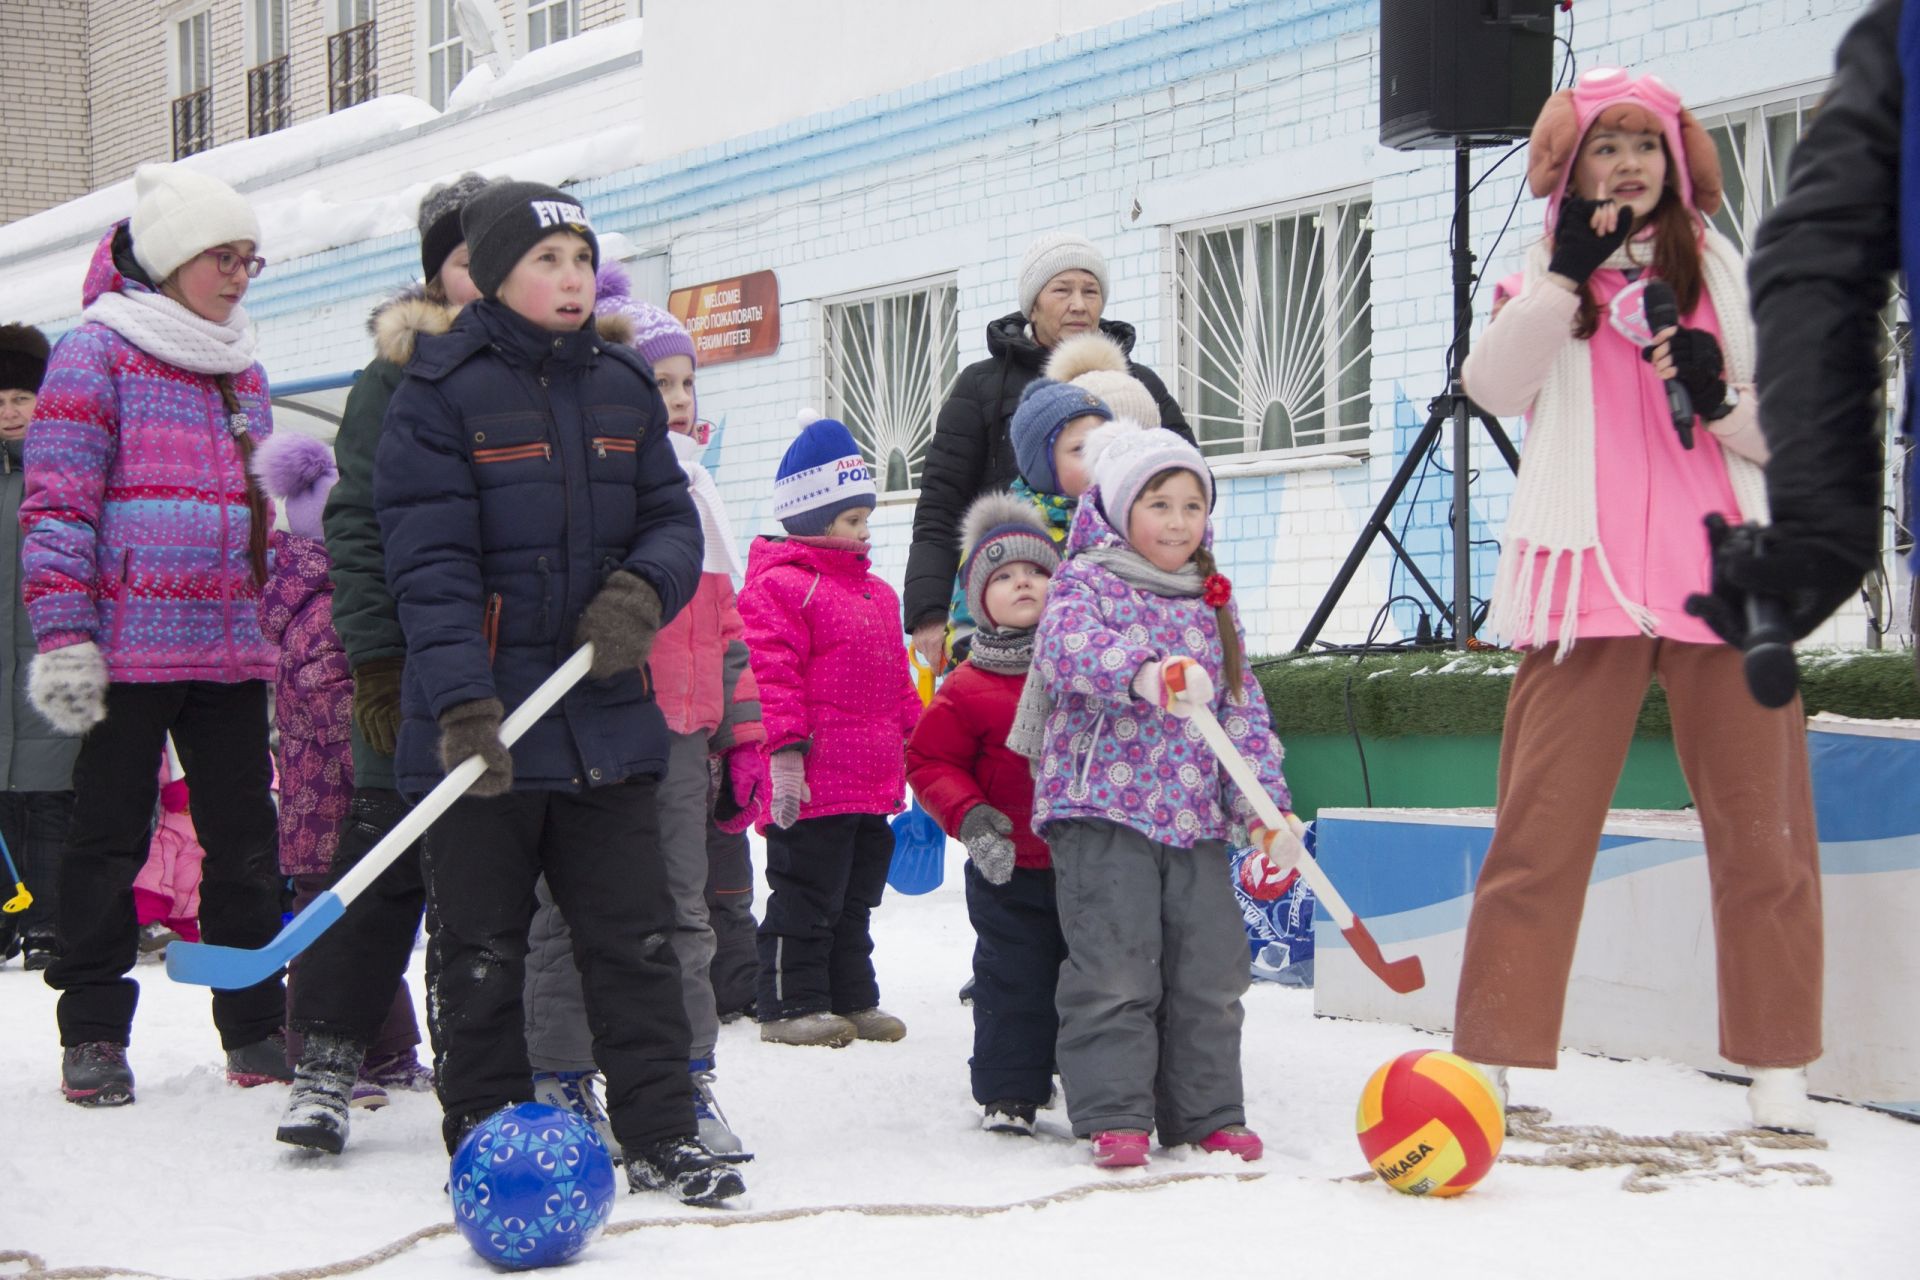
[{"x": 1613, "y": 98}]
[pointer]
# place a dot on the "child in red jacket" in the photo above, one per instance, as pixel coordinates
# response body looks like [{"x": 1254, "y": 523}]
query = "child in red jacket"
[{"x": 959, "y": 764}]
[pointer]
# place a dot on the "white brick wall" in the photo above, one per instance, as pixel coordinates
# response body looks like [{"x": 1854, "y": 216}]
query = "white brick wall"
[{"x": 45, "y": 151}]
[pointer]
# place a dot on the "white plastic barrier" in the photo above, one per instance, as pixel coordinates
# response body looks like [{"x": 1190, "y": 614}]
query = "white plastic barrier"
[{"x": 1643, "y": 972}]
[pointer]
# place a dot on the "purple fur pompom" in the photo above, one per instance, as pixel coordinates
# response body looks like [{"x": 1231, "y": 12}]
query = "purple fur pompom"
[
  {"x": 611, "y": 281},
  {"x": 290, "y": 464}
]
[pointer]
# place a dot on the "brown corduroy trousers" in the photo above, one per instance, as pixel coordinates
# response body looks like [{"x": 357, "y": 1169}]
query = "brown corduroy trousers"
[{"x": 1567, "y": 731}]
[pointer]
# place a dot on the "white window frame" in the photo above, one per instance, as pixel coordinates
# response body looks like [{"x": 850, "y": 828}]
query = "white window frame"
[
  {"x": 344, "y": 15},
  {"x": 544, "y": 10},
  {"x": 1281, "y": 367},
  {"x": 259, "y": 33},
  {"x": 918, "y": 391},
  {"x": 177, "y": 85},
  {"x": 451, "y": 43}
]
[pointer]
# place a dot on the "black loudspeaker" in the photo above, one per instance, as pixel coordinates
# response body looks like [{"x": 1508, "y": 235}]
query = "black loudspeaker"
[{"x": 1463, "y": 72}]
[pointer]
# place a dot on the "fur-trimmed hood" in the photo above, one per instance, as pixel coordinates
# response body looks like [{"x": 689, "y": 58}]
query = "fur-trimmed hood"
[{"x": 398, "y": 324}]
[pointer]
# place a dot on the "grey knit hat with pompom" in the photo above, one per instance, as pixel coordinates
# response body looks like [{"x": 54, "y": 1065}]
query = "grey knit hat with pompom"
[{"x": 439, "y": 220}]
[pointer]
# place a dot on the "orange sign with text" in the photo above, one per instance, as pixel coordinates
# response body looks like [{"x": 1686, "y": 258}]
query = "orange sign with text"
[{"x": 736, "y": 319}]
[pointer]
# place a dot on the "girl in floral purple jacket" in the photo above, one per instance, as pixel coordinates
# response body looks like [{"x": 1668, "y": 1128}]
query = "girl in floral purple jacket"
[
  {"x": 1139, "y": 631},
  {"x": 313, "y": 710}
]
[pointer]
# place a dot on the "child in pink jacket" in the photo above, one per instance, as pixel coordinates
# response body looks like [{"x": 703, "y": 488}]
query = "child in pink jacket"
[
  {"x": 838, "y": 702},
  {"x": 1604, "y": 545}
]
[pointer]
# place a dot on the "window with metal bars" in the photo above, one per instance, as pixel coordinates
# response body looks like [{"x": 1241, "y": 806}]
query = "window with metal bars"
[
  {"x": 1274, "y": 327},
  {"x": 269, "y": 107},
  {"x": 352, "y": 65},
  {"x": 891, "y": 358},
  {"x": 551, "y": 21},
  {"x": 193, "y": 103},
  {"x": 1756, "y": 141}
]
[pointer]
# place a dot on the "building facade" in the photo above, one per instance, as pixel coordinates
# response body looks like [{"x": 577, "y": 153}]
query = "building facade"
[{"x": 1288, "y": 276}]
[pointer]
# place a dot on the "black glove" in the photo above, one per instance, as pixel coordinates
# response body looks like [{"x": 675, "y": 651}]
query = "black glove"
[
  {"x": 1577, "y": 250},
  {"x": 1700, "y": 368},
  {"x": 473, "y": 728},
  {"x": 376, "y": 702},
  {"x": 620, "y": 623},
  {"x": 1806, "y": 574}
]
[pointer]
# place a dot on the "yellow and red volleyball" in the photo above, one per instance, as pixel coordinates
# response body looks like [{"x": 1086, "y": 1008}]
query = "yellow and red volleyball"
[{"x": 1430, "y": 1123}]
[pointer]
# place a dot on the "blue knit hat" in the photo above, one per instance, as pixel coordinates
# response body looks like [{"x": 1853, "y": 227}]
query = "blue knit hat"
[
  {"x": 821, "y": 475},
  {"x": 1046, "y": 407}
]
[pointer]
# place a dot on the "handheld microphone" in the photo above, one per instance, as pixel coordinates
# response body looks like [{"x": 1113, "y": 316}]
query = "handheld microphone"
[
  {"x": 1773, "y": 677},
  {"x": 1663, "y": 312}
]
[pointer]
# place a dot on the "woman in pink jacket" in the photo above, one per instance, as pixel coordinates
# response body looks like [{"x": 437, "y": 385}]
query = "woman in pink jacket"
[
  {"x": 838, "y": 703},
  {"x": 1604, "y": 545}
]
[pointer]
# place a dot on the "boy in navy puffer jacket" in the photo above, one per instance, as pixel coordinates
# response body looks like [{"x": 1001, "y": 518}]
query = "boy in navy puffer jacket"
[{"x": 529, "y": 502}]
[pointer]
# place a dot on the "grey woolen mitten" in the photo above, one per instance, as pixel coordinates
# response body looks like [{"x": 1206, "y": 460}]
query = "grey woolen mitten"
[
  {"x": 473, "y": 728},
  {"x": 620, "y": 623},
  {"x": 988, "y": 833},
  {"x": 69, "y": 687}
]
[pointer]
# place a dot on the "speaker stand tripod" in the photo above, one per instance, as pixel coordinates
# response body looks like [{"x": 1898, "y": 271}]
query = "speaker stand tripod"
[{"x": 1453, "y": 406}]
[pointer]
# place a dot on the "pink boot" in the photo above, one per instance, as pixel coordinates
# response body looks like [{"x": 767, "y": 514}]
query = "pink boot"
[
  {"x": 1119, "y": 1148},
  {"x": 1235, "y": 1139}
]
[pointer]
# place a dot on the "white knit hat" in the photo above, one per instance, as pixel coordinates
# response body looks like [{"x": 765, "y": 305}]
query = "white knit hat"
[
  {"x": 1048, "y": 256},
  {"x": 1095, "y": 362},
  {"x": 177, "y": 212},
  {"x": 1131, "y": 457}
]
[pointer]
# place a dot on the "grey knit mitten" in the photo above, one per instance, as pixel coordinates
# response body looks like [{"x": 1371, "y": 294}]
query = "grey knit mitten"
[
  {"x": 473, "y": 728},
  {"x": 620, "y": 623},
  {"x": 987, "y": 834}
]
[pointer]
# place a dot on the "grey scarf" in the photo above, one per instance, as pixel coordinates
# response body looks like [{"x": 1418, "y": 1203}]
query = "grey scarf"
[
  {"x": 1028, "y": 737},
  {"x": 1005, "y": 653}
]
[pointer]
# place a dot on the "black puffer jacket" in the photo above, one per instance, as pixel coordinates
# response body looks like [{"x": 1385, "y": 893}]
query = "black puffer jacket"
[
  {"x": 972, "y": 453},
  {"x": 1822, "y": 266}
]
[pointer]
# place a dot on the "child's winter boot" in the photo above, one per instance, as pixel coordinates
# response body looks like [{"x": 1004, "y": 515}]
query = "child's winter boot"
[
  {"x": 402, "y": 1070},
  {"x": 1235, "y": 1140},
  {"x": 573, "y": 1091},
  {"x": 262, "y": 1062},
  {"x": 1008, "y": 1116},
  {"x": 1119, "y": 1148},
  {"x": 718, "y": 1136},
  {"x": 685, "y": 1167},
  {"x": 824, "y": 1029},
  {"x": 323, "y": 1090},
  {"x": 876, "y": 1024},
  {"x": 1778, "y": 1100},
  {"x": 96, "y": 1074}
]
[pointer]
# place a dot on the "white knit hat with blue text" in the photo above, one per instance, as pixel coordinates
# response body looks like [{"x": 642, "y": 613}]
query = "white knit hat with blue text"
[{"x": 822, "y": 474}]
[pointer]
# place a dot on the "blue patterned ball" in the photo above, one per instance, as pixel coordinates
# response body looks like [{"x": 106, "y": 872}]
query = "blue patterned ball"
[{"x": 532, "y": 1185}]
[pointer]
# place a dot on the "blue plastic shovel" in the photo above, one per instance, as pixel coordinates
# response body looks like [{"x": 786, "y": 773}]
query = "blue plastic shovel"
[{"x": 919, "y": 845}]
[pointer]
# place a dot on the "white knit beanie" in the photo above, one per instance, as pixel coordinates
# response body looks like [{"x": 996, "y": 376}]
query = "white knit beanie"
[
  {"x": 177, "y": 212},
  {"x": 1048, "y": 256},
  {"x": 1131, "y": 457}
]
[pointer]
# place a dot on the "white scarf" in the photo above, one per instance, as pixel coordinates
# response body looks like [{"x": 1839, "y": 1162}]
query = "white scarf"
[
  {"x": 1555, "y": 507},
  {"x": 168, "y": 331},
  {"x": 720, "y": 555}
]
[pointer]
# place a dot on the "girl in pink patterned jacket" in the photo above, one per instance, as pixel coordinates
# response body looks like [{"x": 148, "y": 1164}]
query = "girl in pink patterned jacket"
[
  {"x": 1139, "y": 632},
  {"x": 837, "y": 701}
]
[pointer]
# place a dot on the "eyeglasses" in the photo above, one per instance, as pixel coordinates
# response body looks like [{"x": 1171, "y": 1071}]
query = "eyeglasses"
[{"x": 226, "y": 262}]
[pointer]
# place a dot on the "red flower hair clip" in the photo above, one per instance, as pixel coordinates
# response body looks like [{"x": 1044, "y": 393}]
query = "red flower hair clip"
[{"x": 1216, "y": 591}]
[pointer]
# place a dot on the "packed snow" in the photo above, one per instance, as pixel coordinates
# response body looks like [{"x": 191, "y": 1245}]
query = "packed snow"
[{"x": 188, "y": 1182}]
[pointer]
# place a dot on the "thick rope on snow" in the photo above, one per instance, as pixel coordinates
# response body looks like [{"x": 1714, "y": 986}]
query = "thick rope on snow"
[
  {"x": 1656, "y": 1163},
  {"x": 37, "y": 1268}
]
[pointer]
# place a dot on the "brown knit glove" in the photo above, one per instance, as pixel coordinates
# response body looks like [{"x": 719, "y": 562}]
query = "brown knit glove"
[
  {"x": 473, "y": 728},
  {"x": 376, "y": 702},
  {"x": 620, "y": 623}
]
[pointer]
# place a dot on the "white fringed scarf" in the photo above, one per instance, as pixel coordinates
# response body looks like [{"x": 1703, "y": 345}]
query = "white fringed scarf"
[
  {"x": 1555, "y": 509},
  {"x": 720, "y": 556}
]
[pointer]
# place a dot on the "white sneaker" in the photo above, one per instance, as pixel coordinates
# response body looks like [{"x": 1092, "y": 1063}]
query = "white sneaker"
[{"x": 1778, "y": 1099}]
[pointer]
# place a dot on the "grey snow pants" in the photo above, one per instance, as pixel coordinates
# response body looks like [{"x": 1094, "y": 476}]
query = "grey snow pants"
[
  {"x": 1149, "y": 996},
  {"x": 556, "y": 1011}
]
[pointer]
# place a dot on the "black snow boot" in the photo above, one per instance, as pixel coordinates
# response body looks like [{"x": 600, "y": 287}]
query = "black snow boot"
[
  {"x": 685, "y": 1167},
  {"x": 316, "y": 1114},
  {"x": 96, "y": 1074},
  {"x": 262, "y": 1062}
]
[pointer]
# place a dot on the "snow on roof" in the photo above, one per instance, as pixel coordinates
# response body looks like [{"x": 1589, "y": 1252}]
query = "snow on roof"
[{"x": 355, "y": 174}]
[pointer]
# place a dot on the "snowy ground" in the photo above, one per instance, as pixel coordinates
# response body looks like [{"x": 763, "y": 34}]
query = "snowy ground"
[{"x": 189, "y": 1182}]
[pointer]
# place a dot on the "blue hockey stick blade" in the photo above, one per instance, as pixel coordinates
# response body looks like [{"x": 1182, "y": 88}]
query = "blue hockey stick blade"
[{"x": 202, "y": 964}]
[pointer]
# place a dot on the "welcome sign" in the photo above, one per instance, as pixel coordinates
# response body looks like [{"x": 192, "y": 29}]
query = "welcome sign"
[{"x": 737, "y": 319}]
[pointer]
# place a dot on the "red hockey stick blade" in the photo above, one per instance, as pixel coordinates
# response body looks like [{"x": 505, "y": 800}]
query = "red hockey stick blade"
[{"x": 1400, "y": 976}]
